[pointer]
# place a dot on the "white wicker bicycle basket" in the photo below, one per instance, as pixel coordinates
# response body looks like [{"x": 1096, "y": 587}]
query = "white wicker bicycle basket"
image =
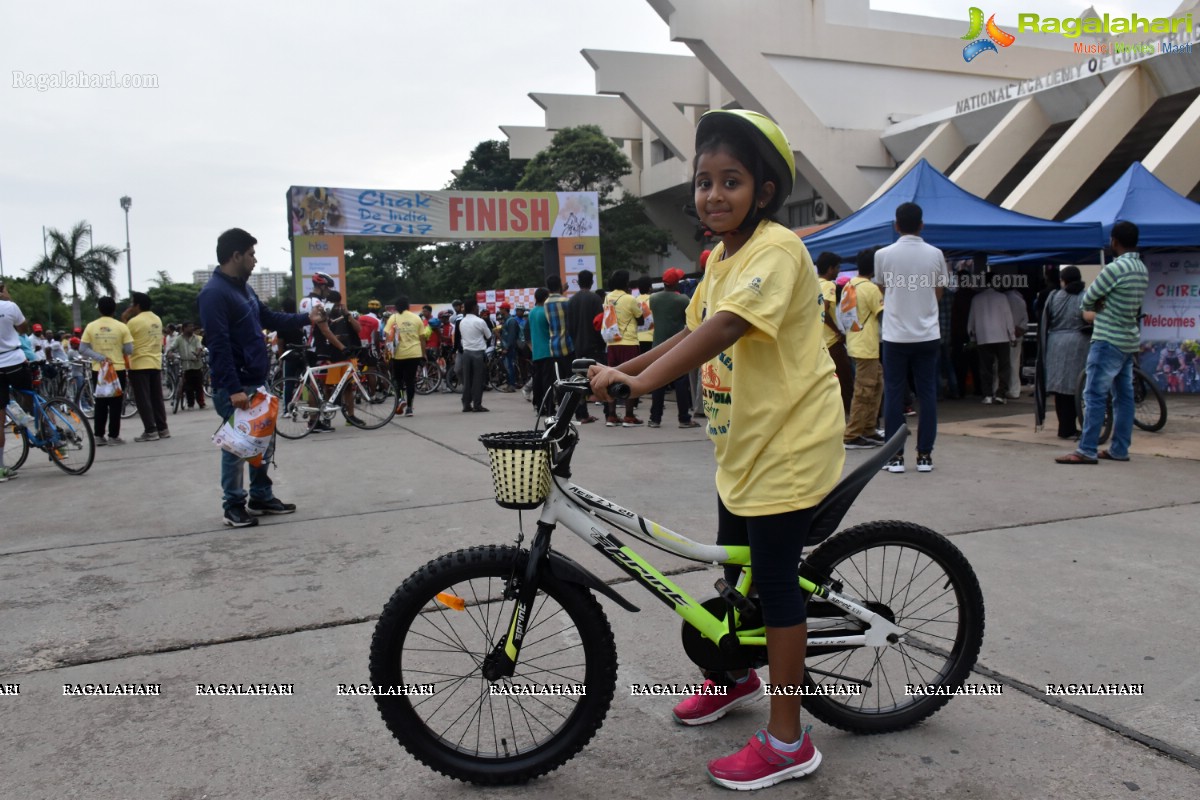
[{"x": 520, "y": 467}]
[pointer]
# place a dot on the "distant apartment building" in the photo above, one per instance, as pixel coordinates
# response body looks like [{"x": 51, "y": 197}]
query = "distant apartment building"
[{"x": 266, "y": 284}]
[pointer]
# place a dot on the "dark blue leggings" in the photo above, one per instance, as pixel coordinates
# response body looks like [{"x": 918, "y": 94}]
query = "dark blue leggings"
[{"x": 775, "y": 543}]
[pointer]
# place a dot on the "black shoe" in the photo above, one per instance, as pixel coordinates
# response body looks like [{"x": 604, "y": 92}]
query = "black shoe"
[
  {"x": 237, "y": 517},
  {"x": 924, "y": 462},
  {"x": 272, "y": 506},
  {"x": 859, "y": 443},
  {"x": 481, "y": 408}
]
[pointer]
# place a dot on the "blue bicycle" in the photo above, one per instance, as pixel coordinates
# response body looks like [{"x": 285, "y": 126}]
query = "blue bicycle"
[{"x": 60, "y": 430}]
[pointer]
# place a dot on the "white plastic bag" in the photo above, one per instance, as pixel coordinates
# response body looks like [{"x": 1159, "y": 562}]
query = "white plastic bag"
[{"x": 249, "y": 432}]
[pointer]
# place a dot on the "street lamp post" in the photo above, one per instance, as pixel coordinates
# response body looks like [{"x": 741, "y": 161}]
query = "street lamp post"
[{"x": 126, "y": 202}]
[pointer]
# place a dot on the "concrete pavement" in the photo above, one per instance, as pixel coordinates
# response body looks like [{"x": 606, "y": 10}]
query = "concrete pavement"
[{"x": 127, "y": 575}]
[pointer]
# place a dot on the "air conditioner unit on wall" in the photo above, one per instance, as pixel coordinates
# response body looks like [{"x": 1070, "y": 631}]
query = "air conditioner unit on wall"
[{"x": 821, "y": 212}]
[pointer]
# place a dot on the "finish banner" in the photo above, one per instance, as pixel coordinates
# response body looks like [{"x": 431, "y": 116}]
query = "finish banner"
[{"x": 442, "y": 215}]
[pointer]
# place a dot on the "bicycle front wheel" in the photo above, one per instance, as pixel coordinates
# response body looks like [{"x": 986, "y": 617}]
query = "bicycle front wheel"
[
  {"x": 369, "y": 412},
  {"x": 298, "y": 408},
  {"x": 71, "y": 445},
  {"x": 435, "y": 633},
  {"x": 16, "y": 446},
  {"x": 921, "y": 582},
  {"x": 428, "y": 377},
  {"x": 86, "y": 400},
  {"x": 1149, "y": 405}
]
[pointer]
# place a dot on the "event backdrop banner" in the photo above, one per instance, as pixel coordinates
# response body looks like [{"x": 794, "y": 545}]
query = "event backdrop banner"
[
  {"x": 1172, "y": 304},
  {"x": 318, "y": 254},
  {"x": 442, "y": 215}
]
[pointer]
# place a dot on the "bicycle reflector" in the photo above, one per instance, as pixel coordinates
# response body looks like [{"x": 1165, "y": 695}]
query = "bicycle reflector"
[
  {"x": 451, "y": 601},
  {"x": 520, "y": 467}
]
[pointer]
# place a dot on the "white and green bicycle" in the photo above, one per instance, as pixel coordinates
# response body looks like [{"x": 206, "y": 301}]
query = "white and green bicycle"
[{"x": 497, "y": 664}]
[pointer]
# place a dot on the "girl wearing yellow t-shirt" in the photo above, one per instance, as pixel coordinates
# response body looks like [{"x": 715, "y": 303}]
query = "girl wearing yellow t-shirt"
[{"x": 754, "y": 328}]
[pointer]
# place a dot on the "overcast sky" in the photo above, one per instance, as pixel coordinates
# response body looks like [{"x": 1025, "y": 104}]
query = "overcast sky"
[{"x": 257, "y": 96}]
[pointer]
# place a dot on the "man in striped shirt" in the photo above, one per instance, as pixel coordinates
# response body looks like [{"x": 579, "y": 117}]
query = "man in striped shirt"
[
  {"x": 1114, "y": 304},
  {"x": 561, "y": 345}
]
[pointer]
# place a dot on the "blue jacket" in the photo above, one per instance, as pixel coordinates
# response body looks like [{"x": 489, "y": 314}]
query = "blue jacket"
[{"x": 233, "y": 319}]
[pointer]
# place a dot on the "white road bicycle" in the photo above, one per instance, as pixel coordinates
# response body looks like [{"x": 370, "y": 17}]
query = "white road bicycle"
[{"x": 303, "y": 402}]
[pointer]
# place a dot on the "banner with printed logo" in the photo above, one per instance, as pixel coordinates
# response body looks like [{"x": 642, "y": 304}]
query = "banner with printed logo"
[{"x": 442, "y": 215}]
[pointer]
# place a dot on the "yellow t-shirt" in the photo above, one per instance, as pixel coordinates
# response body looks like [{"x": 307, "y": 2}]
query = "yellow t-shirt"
[
  {"x": 405, "y": 331},
  {"x": 629, "y": 313},
  {"x": 865, "y": 343},
  {"x": 108, "y": 337},
  {"x": 146, "y": 330},
  {"x": 643, "y": 301},
  {"x": 773, "y": 403},
  {"x": 829, "y": 292}
]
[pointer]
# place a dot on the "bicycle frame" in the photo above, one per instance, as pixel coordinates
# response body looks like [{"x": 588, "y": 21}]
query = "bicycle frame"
[
  {"x": 308, "y": 381},
  {"x": 44, "y": 417}
]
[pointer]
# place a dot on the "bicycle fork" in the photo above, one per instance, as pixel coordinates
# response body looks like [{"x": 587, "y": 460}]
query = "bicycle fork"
[{"x": 502, "y": 661}]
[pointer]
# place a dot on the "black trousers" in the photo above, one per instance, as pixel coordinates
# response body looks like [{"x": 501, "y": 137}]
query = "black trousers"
[
  {"x": 991, "y": 355},
  {"x": 404, "y": 374},
  {"x": 193, "y": 387},
  {"x": 108, "y": 409},
  {"x": 683, "y": 399},
  {"x": 147, "y": 391}
]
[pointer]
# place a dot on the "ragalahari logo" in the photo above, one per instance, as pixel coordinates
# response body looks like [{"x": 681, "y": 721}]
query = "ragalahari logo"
[{"x": 995, "y": 35}]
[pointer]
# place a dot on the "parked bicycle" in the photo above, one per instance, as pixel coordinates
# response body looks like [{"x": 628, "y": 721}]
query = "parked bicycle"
[
  {"x": 60, "y": 430},
  {"x": 890, "y": 604},
  {"x": 1149, "y": 404},
  {"x": 86, "y": 400},
  {"x": 302, "y": 400}
]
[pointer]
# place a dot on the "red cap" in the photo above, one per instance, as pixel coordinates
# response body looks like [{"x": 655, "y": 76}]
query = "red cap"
[
  {"x": 78, "y": 331},
  {"x": 74, "y": 341},
  {"x": 704, "y": 258},
  {"x": 37, "y": 327},
  {"x": 505, "y": 307},
  {"x": 673, "y": 276}
]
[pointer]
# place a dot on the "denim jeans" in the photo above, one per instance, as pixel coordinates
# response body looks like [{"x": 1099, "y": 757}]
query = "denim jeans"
[
  {"x": 510, "y": 364},
  {"x": 233, "y": 468},
  {"x": 1107, "y": 368},
  {"x": 922, "y": 358}
]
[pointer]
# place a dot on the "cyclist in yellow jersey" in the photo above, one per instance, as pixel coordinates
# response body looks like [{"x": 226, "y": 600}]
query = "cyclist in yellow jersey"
[{"x": 774, "y": 414}]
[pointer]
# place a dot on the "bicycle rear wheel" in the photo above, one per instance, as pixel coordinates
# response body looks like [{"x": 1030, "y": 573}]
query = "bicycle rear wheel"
[
  {"x": 298, "y": 408},
  {"x": 438, "y": 629},
  {"x": 16, "y": 446},
  {"x": 1149, "y": 405},
  {"x": 428, "y": 377},
  {"x": 71, "y": 445},
  {"x": 373, "y": 406},
  {"x": 86, "y": 400},
  {"x": 919, "y": 581}
]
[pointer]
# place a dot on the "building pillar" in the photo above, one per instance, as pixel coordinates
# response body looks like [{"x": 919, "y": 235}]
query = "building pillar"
[
  {"x": 993, "y": 158},
  {"x": 940, "y": 148},
  {"x": 1173, "y": 160},
  {"x": 1072, "y": 159}
]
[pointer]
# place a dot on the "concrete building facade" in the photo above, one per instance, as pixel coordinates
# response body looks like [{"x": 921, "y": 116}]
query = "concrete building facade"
[{"x": 1042, "y": 126}]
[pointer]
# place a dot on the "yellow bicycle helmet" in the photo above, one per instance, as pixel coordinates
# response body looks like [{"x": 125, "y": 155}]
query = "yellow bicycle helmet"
[{"x": 767, "y": 139}]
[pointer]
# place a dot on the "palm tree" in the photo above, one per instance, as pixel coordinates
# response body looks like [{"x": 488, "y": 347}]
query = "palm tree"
[{"x": 92, "y": 267}]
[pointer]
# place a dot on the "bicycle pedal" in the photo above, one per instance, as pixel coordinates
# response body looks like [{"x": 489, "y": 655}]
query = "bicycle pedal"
[{"x": 734, "y": 597}]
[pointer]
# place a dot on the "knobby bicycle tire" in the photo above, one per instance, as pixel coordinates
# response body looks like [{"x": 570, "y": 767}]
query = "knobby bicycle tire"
[
  {"x": 73, "y": 448},
  {"x": 419, "y": 640},
  {"x": 925, "y": 585}
]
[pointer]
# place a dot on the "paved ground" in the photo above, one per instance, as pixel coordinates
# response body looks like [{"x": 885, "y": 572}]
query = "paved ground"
[{"x": 126, "y": 575}]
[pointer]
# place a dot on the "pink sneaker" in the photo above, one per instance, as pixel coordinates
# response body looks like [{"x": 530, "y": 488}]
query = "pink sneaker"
[
  {"x": 759, "y": 765},
  {"x": 706, "y": 706}
]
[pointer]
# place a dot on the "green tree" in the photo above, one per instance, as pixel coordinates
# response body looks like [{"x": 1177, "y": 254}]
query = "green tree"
[
  {"x": 161, "y": 278},
  {"x": 176, "y": 302},
  {"x": 583, "y": 159},
  {"x": 93, "y": 267},
  {"x": 39, "y": 302},
  {"x": 489, "y": 169}
]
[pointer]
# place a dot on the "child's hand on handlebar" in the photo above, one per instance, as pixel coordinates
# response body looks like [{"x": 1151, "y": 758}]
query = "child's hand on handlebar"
[{"x": 601, "y": 378}]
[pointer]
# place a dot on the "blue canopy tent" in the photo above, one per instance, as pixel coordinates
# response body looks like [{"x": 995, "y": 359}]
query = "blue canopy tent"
[{"x": 955, "y": 220}]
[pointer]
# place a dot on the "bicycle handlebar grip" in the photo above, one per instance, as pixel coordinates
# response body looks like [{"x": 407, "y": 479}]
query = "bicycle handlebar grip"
[{"x": 618, "y": 391}]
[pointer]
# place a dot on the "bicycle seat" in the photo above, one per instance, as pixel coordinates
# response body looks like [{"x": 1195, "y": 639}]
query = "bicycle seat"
[{"x": 830, "y": 511}]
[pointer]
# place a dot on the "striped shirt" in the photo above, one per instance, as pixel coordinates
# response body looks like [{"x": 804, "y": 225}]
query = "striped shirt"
[
  {"x": 1122, "y": 285},
  {"x": 556, "y": 318}
]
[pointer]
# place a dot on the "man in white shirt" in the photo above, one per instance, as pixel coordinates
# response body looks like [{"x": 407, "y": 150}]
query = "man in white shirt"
[
  {"x": 913, "y": 276},
  {"x": 1020, "y": 315},
  {"x": 474, "y": 337},
  {"x": 14, "y": 374},
  {"x": 990, "y": 326}
]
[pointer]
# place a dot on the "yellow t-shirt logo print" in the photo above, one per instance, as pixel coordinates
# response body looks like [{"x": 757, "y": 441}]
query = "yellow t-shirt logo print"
[{"x": 995, "y": 35}]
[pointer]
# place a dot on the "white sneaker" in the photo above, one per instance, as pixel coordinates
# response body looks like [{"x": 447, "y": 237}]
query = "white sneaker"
[{"x": 987, "y": 401}]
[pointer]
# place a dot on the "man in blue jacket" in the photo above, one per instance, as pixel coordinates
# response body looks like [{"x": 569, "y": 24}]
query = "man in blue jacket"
[{"x": 233, "y": 319}]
